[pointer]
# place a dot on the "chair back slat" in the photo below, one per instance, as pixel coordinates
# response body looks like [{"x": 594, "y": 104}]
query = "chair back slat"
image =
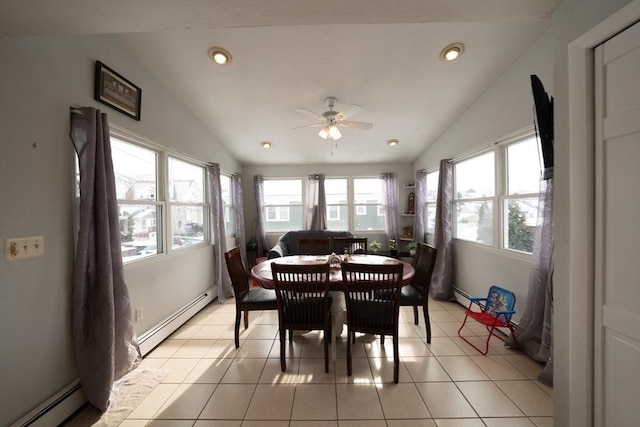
[
  {"x": 353, "y": 245},
  {"x": 319, "y": 246}
]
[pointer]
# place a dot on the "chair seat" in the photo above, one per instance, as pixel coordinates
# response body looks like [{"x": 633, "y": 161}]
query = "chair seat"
[
  {"x": 261, "y": 296},
  {"x": 486, "y": 319},
  {"x": 410, "y": 294}
]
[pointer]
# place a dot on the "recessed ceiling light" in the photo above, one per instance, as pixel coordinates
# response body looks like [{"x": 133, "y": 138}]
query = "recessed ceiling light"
[
  {"x": 219, "y": 55},
  {"x": 266, "y": 144},
  {"x": 393, "y": 142},
  {"x": 452, "y": 52}
]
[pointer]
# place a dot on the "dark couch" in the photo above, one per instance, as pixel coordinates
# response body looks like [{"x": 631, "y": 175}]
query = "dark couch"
[{"x": 287, "y": 244}]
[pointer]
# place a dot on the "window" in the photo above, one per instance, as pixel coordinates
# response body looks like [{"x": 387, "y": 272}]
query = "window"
[
  {"x": 474, "y": 191},
  {"x": 186, "y": 203},
  {"x": 431, "y": 197},
  {"x": 136, "y": 177},
  {"x": 228, "y": 205},
  {"x": 512, "y": 224},
  {"x": 367, "y": 199},
  {"x": 283, "y": 204},
  {"x": 335, "y": 190},
  {"x": 520, "y": 202}
]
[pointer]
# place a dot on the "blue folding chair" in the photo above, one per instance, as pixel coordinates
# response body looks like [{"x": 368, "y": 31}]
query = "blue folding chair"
[{"x": 498, "y": 309}]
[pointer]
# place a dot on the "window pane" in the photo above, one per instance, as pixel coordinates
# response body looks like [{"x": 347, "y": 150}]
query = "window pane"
[
  {"x": 227, "y": 204},
  {"x": 135, "y": 171},
  {"x": 523, "y": 164},
  {"x": 432, "y": 186},
  {"x": 474, "y": 221},
  {"x": 431, "y": 217},
  {"x": 283, "y": 218},
  {"x": 337, "y": 217},
  {"x": 187, "y": 225},
  {"x": 521, "y": 225},
  {"x": 373, "y": 219},
  {"x": 367, "y": 190},
  {"x": 474, "y": 178},
  {"x": 282, "y": 192},
  {"x": 186, "y": 182},
  {"x": 335, "y": 191},
  {"x": 140, "y": 231}
]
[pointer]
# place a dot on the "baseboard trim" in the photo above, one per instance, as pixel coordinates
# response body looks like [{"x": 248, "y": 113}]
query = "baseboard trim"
[{"x": 63, "y": 404}]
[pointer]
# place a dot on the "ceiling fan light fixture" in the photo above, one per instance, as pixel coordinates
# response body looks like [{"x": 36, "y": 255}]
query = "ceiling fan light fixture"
[
  {"x": 334, "y": 132},
  {"x": 324, "y": 132},
  {"x": 452, "y": 52},
  {"x": 220, "y": 56}
]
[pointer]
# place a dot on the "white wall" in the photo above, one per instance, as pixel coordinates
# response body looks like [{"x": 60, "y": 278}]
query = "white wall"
[
  {"x": 40, "y": 78},
  {"x": 404, "y": 171},
  {"x": 503, "y": 109}
]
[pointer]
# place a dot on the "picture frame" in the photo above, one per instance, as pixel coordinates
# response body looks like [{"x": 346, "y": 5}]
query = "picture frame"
[{"x": 117, "y": 92}]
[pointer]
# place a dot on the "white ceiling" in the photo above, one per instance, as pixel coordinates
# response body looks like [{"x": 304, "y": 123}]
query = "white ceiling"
[{"x": 288, "y": 54}]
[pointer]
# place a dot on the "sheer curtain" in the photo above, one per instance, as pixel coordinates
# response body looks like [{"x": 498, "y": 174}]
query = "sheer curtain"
[
  {"x": 105, "y": 345},
  {"x": 316, "y": 217},
  {"x": 535, "y": 328},
  {"x": 418, "y": 220},
  {"x": 442, "y": 279},
  {"x": 261, "y": 235},
  {"x": 221, "y": 275},
  {"x": 236, "y": 189},
  {"x": 390, "y": 204}
]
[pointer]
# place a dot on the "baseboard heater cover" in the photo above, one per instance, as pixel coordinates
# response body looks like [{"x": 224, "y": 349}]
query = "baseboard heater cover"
[{"x": 63, "y": 404}]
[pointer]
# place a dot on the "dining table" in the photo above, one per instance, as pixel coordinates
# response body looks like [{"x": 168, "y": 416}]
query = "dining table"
[{"x": 262, "y": 274}]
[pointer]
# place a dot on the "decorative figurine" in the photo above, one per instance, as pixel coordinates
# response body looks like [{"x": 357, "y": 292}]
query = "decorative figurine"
[{"x": 411, "y": 209}]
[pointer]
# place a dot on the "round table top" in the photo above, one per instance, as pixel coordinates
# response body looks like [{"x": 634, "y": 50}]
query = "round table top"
[{"x": 262, "y": 271}]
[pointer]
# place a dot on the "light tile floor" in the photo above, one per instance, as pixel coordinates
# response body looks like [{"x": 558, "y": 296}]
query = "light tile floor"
[{"x": 446, "y": 383}]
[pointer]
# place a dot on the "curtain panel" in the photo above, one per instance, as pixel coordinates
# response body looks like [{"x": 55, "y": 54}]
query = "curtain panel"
[
  {"x": 419, "y": 232},
  {"x": 221, "y": 275},
  {"x": 261, "y": 235},
  {"x": 390, "y": 204},
  {"x": 105, "y": 345},
  {"x": 316, "y": 215},
  {"x": 442, "y": 279},
  {"x": 236, "y": 189}
]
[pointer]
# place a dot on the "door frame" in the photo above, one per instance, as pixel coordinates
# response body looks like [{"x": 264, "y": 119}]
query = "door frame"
[{"x": 582, "y": 207}]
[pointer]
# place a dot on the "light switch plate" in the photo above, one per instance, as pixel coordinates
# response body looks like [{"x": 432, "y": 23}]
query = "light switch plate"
[{"x": 23, "y": 247}]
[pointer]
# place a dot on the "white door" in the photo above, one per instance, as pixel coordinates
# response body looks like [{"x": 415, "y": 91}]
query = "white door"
[{"x": 617, "y": 231}]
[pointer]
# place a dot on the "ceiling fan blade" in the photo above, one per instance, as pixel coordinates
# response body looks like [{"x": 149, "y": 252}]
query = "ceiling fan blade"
[
  {"x": 308, "y": 126},
  {"x": 310, "y": 113},
  {"x": 350, "y": 111},
  {"x": 357, "y": 125}
]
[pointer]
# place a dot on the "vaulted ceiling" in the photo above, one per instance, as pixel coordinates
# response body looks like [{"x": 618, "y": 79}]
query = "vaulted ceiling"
[{"x": 380, "y": 54}]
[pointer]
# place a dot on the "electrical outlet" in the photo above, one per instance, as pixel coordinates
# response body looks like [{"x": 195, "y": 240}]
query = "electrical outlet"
[
  {"x": 23, "y": 247},
  {"x": 139, "y": 314}
]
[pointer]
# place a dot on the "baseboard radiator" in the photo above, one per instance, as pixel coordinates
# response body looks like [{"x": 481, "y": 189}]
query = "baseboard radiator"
[{"x": 63, "y": 404}]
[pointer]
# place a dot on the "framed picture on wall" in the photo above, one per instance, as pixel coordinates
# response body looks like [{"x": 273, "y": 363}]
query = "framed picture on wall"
[{"x": 117, "y": 92}]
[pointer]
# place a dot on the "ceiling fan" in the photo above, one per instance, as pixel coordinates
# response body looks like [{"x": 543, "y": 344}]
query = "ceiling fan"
[{"x": 331, "y": 121}]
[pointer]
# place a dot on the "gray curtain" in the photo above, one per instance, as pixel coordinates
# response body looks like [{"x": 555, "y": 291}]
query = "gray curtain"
[
  {"x": 316, "y": 216},
  {"x": 221, "y": 275},
  {"x": 535, "y": 328},
  {"x": 389, "y": 182},
  {"x": 261, "y": 235},
  {"x": 442, "y": 279},
  {"x": 419, "y": 234},
  {"x": 236, "y": 189},
  {"x": 105, "y": 345}
]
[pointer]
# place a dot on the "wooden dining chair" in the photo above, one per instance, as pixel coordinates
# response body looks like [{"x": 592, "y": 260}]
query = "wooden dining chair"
[
  {"x": 247, "y": 298},
  {"x": 352, "y": 245},
  {"x": 416, "y": 293},
  {"x": 314, "y": 246},
  {"x": 372, "y": 295},
  {"x": 303, "y": 298}
]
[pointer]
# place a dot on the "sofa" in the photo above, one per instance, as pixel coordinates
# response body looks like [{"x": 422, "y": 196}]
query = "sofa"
[{"x": 287, "y": 244}]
